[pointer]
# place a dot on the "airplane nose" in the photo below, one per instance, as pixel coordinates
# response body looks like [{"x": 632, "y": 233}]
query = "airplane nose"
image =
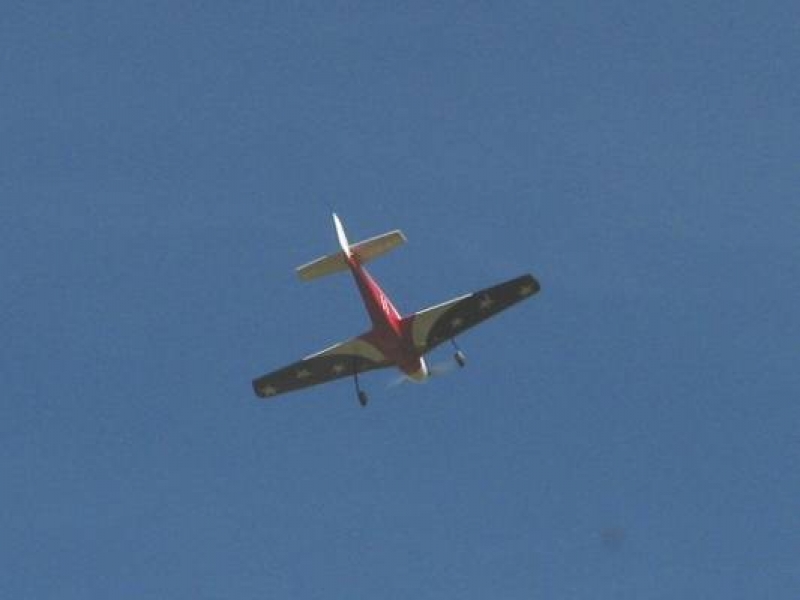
[{"x": 422, "y": 373}]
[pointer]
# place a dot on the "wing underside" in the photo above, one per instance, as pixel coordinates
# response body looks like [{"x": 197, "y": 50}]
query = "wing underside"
[
  {"x": 340, "y": 360},
  {"x": 428, "y": 329},
  {"x": 437, "y": 324}
]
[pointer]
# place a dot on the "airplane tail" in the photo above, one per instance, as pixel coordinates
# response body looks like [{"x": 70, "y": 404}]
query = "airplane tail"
[{"x": 362, "y": 252}]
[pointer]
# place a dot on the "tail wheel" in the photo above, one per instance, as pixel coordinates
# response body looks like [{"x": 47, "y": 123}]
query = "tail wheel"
[{"x": 362, "y": 397}]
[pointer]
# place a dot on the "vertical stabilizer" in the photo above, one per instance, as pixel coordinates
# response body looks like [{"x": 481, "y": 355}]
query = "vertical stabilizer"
[{"x": 342, "y": 237}]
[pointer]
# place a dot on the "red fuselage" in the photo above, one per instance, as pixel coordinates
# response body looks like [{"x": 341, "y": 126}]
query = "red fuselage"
[{"x": 389, "y": 332}]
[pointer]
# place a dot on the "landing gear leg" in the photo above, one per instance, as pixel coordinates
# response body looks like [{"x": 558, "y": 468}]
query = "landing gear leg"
[
  {"x": 362, "y": 395},
  {"x": 459, "y": 356}
]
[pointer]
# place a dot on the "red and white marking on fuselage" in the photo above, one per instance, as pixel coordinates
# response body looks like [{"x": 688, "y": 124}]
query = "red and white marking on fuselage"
[{"x": 388, "y": 332}]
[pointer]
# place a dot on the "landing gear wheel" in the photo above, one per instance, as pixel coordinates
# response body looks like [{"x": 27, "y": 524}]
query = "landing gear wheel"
[
  {"x": 461, "y": 358},
  {"x": 362, "y": 397}
]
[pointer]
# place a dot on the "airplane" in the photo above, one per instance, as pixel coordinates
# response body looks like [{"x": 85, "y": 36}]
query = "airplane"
[{"x": 394, "y": 340}]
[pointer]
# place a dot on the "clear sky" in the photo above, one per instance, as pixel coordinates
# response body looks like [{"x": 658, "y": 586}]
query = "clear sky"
[{"x": 631, "y": 432}]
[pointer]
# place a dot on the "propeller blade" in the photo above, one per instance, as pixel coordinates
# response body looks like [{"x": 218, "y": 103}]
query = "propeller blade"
[
  {"x": 442, "y": 368},
  {"x": 400, "y": 380}
]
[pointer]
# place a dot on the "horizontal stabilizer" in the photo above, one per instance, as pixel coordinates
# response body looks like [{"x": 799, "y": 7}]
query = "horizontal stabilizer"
[
  {"x": 363, "y": 252},
  {"x": 376, "y": 246},
  {"x": 325, "y": 265}
]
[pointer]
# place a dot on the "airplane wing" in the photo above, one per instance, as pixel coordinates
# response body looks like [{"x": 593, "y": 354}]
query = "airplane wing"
[
  {"x": 340, "y": 360},
  {"x": 437, "y": 324}
]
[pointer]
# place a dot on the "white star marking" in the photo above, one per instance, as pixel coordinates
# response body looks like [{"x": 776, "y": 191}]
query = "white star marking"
[
  {"x": 526, "y": 290},
  {"x": 269, "y": 390},
  {"x": 457, "y": 322},
  {"x": 337, "y": 368},
  {"x": 303, "y": 374},
  {"x": 486, "y": 302}
]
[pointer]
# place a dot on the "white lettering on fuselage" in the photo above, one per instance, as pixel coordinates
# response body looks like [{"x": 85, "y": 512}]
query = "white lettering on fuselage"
[{"x": 387, "y": 307}]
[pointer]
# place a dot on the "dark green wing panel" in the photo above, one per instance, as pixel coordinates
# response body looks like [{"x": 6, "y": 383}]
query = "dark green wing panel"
[
  {"x": 340, "y": 360},
  {"x": 432, "y": 326}
]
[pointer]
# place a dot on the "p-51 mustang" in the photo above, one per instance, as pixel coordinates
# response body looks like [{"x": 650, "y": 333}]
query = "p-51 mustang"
[{"x": 394, "y": 340}]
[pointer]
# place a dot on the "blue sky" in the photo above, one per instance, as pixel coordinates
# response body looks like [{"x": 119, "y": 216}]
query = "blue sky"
[{"x": 631, "y": 432}]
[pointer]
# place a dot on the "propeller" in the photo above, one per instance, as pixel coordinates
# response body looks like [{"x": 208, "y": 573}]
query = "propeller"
[{"x": 437, "y": 370}]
